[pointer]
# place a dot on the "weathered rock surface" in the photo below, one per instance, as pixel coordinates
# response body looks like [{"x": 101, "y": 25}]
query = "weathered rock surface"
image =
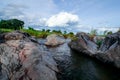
[
  {"x": 62, "y": 56},
  {"x": 54, "y": 40},
  {"x": 22, "y": 59},
  {"x": 83, "y": 44},
  {"x": 109, "y": 51}
]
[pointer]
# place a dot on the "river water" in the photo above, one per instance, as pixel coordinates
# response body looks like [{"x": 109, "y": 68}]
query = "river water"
[{"x": 80, "y": 67}]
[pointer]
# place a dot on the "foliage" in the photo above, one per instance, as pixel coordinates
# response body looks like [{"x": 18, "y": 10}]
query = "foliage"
[
  {"x": 41, "y": 34},
  {"x": 93, "y": 32},
  {"x": 15, "y": 24},
  {"x": 5, "y": 30},
  {"x": 105, "y": 32},
  {"x": 30, "y": 28},
  {"x": 118, "y": 30},
  {"x": 65, "y": 32},
  {"x": 11, "y": 24},
  {"x": 110, "y": 32},
  {"x": 99, "y": 42}
]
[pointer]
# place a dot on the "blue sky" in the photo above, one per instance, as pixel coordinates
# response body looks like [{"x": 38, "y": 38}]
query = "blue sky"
[{"x": 71, "y": 15}]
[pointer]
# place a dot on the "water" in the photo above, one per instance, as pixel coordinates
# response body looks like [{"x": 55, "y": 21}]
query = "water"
[
  {"x": 85, "y": 68},
  {"x": 81, "y": 67}
]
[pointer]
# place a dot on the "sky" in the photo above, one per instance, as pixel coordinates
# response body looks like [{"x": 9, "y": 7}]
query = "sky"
[{"x": 70, "y": 15}]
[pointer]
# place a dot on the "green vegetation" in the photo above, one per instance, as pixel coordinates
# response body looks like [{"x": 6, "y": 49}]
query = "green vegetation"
[
  {"x": 44, "y": 33},
  {"x": 99, "y": 43},
  {"x": 93, "y": 32},
  {"x": 40, "y": 33},
  {"x": 14, "y": 24},
  {"x": 5, "y": 30},
  {"x": 118, "y": 30}
]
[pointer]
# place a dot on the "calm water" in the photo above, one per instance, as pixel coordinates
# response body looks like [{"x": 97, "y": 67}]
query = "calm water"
[{"x": 82, "y": 67}]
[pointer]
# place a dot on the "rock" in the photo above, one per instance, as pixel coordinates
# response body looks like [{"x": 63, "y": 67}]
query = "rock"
[
  {"x": 62, "y": 56},
  {"x": 54, "y": 40},
  {"x": 109, "y": 51},
  {"x": 22, "y": 59},
  {"x": 83, "y": 44}
]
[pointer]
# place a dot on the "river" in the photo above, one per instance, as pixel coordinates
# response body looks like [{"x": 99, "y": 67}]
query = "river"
[{"x": 80, "y": 67}]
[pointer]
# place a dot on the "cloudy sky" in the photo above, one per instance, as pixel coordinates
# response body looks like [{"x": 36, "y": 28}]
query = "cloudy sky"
[{"x": 70, "y": 15}]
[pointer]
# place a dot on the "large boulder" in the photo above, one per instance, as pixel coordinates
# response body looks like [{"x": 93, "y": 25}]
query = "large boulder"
[
  {"x": 83, "y": 44},
  {"x": 109, "y": 51},
  {"x": 22, "y": 59},
  {"x": 62, "y": 56},
  {"x": 54, "y": 40}
]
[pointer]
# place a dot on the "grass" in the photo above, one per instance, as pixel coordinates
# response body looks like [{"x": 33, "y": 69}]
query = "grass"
[
  {"x": 5, "y": 30},
  {"x": 41, "y": 33}
]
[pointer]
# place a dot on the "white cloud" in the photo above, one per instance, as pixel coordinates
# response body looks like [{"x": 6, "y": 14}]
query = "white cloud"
[
  {"x": 12, "y": 11},
  {"x": 62, "y": 19},
  {"x": 102, "y": 29}
]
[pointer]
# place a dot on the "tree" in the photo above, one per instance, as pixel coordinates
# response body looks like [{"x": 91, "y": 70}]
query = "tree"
[
  {"x": 65, "y": 32},
  {"x": 12, "y": 24},
  {"x": 48, "y": 30},
  {"x": 43, "y": 30},
  {"x": 93, "y": 32},
  {"x": 30, "y": 28},
  {"x": 118, "y": 30},
  {"x": 110, "y": 32},
  {"x": 105, "y": 32},
  {"x": 71, "y": 33}
]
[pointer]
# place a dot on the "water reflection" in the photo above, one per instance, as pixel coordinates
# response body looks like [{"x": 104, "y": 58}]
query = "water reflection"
[
  {"x": 80, "y": 67},
  {"x": 85, "y": 68}
]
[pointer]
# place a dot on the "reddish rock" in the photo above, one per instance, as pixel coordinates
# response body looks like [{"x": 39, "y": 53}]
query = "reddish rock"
[{"x": 22, "y": 59}]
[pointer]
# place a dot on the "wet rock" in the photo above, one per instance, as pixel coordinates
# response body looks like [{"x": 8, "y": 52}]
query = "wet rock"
[
  {"x": 109, "y": 51},
  {"x": 83, "y": 44},
  {"x": 22, "y": 59},
  {"x": 62, "y": 56},
  {"x": 54, "y": 40}
]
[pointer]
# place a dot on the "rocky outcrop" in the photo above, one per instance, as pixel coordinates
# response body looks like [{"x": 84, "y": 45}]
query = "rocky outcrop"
[
  {"x": 54, "y": 40},
  {"x": 109, "y": 51},
  {"x": 83, "y": 44},
  {"x": 22, "y": 59},
  {"x": 62, "y": 56}
]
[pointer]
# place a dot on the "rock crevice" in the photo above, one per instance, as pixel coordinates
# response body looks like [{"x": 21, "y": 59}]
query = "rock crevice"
[
  {"x": 109, "y": 51},
  {"x": 22, "y": 59}
]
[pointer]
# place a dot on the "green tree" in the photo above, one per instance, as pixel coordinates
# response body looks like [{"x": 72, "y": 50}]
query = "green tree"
[
  {"x": 12, "y": 24},
  {"x": 118, "y": 30},
  {"x": 65, "y": 32},
  {"x": 105, "y": 32},
  {"x": 48, "y": 30},
  {"x": 71, "y": 33},
  {"x": 93, "y": 32},
  {"x": 43, "y": 30},
  {"x": 110, "y": 32},
  {"x": 30, "y": 28}
]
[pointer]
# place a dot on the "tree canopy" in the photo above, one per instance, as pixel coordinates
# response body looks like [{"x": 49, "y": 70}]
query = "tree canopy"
[{"x": 12, "y": 24}]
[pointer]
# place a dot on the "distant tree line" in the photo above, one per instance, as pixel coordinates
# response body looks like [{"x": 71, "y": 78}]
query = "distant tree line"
[{"x": 12, "y": 24}]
